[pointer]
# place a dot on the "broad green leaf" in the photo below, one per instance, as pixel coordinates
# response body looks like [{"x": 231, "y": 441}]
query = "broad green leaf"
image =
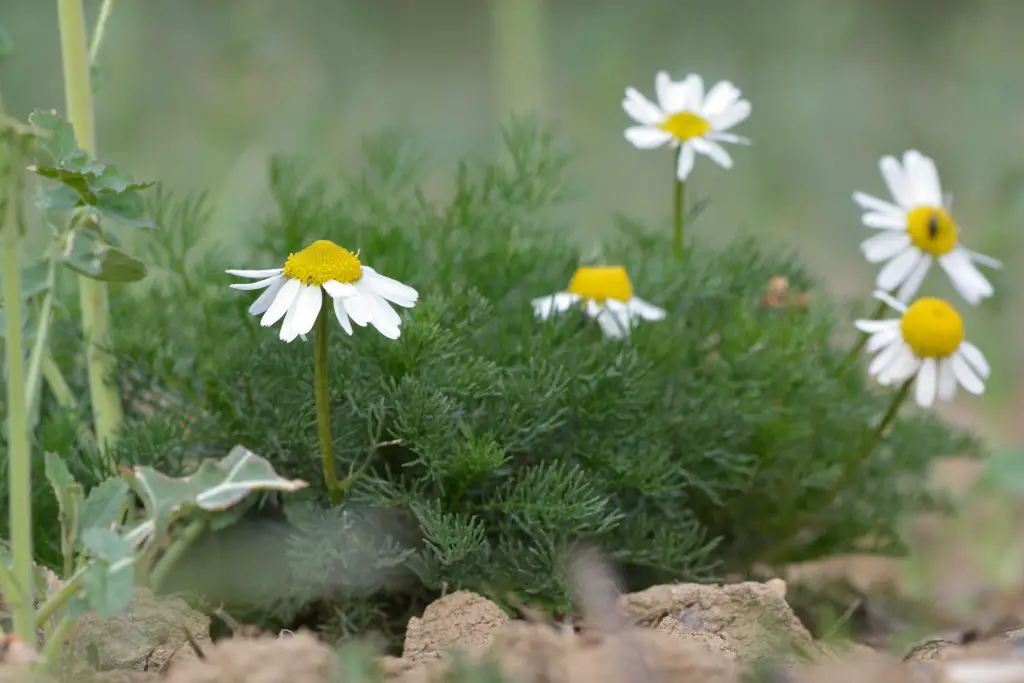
[
  {"x": 106, "y": 545},
  {"x": 216, "y": 486},
  {"x": 85, "y": 252},
  {"x": 108, "y": 588},
  {"x": 58, "y": 198},
  {"x": 56, "y": 142},
  {"x": 127, "y": 207},
  {"x": 103, "y": 506}
]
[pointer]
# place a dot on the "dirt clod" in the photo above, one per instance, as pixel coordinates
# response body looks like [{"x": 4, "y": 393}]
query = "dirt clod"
[{"x": 461, "y": 619}]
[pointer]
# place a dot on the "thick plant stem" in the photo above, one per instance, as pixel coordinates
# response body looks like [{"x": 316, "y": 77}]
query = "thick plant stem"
[
  {"x": 19, "y": 457},
  {"x": 174, "y": 552},
  {"x": 323, "y": 407},
  {"x": 863, "y": 339},
  {"x": 106, "y": 404},
  {"x": 678, "y": 210}
]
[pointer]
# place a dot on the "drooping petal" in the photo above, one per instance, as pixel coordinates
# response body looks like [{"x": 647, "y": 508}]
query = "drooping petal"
[
  {"x": 884, "y": 359},
  {"x": 927, "y": 381},
  {"x": 264, "y": 300},
  {"x": 282, "y": 302},
  {"x": 965, "y": 276},
  {"x": 259, "y": 284},
  {"x": 947, "y": 380},
  {"x": 713, "y": 150},
  {"x": 342, "y": 316},
  {"x": 359, "y": 309},
  {"x": 903, "y": 366},
  {"x": 307, "y": 307},
  {"x": 884, "y": 246},
  {"x": 685, "y": 163},
  {"x": 886, "y": 337},
  {"x": 645, "y": 310},
  {"x": 975, "y": 358},
  {"x": 391, "y": 289},
  {"x": 897, "y": 270},
  {"x": 967, "y": 378}
]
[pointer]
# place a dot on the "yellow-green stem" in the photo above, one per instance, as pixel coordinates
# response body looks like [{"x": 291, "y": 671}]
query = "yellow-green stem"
[
  {"x": 19, "y": 457},
  {"x": 863, "y": 338},
  {"x": 100, "y": 31},
  {"x": 323, "y": 406},
  {"x": 678, "y": 209},
  {"x": 178, "y": 546},
  {"x": 517, "y": 30},
  {"x": 35, "y": 364},
  {"x": 106, "y": 404},
  {"x": 872, "y": 441}
]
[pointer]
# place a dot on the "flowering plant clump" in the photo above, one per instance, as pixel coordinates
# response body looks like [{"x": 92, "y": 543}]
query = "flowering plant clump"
[{"x": 484, "y": 442}]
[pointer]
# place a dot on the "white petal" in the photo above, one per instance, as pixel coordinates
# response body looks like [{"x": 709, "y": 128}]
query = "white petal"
[
  {"x": 684, "y": 165},
  {"x": 924, "y": 387},
  {"x": 965, "y": 276},
  {"x": 885, "y": 221},
  {"x": 727, "y": 137},
  {"x": 342, "y": 316},
  {"x": 884, "y": 338},
  {"x": 975, "y": 358},
  {"x": 641, "y": 109},
  {"x": 890, "y": 301},
  {"x": 544, "y": 306},
  {"x": 910, "y": 286},
  {"x": 259, "y": 284},
  {"x": 303, "y": 313},
  {"x": 884, "y": 359},
  {"x": 965, "y": 375},
  {"x": 982, "y": 259},
  {"x": 385, "y": 319},
  {"x": 615, "y": 324},
  {"x": 870, "y": 203},
  {"x": 645, "y": 310},
  {"x": 884, "y": 246},
  {"x": 923, "y": 178},
  {"x": 898, "y": 269},
  {"x": 721, "y": 96},
  {"x": 359, "y": 308},
  {"x": 947, "y": 380},
  {"x": 264, "y": 300},
  {"x": 338, "y": 290},
  {"x": 593, "y": 309},
  {"x": 663, "y": 89},
  {"x": 645, "y": 137},
  {"x": 255, "y": 274},
  {"x": 902, "y": 367},
  {"x": 897, "y": 181},
  {"x": 734, "y": 115},
  {"x": 282, "y": 302},
  {"x": 391, "y": 289},
  {"x": 713, "y": 150},
  {"x": 876, "y": 326},
  {"x": 694, "y": 93}
]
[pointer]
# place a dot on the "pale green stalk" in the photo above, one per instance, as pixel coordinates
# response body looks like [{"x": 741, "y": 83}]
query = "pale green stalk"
[
  {"x": 174, "y": 552},
  {"x": 517, "y": 44},
  {"x": 106, "y": 404},
  {"x": 323, "y": 406},
  {"x": 100, "y": 31},
  {"x": 35, "y": 364},
  {"x": 678, "y": 208},
  {"x": 19, "y": 457}
]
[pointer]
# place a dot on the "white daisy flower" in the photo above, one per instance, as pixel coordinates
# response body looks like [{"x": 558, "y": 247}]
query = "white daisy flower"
[
  {"x": 917, "y": 229},
  {"x": 926, "y": 341},
  {"x": 684, "y": 117},
  {"x": 606, "y": 294},
  {"x": 295, "y": 292}
]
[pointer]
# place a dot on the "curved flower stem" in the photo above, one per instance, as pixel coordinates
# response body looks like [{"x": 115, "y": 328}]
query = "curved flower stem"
[
  {"x": 876, "y": 435},
  {"x": 678, "y": 209},
  {"x": 323, "y": 406},
  {"x": 863, "y": 339},
  {"x": 106, "y": 403}
]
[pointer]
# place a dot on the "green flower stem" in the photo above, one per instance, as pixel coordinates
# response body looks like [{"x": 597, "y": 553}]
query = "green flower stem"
[
  {"x": 19, "y": 457},
  {"x": 872, "y": 441},
  {"x": 56, "y": 601},
  {"x": 35, "y": 363},
  {"x": 174, "y": 552},
  {"x": 323, "y": 406},
  {"x": 863, "y": 339},
  {"x": 106, "y": 404},
  {"x": 62, "y": 635},
  {"x": 678, "y": 209}
]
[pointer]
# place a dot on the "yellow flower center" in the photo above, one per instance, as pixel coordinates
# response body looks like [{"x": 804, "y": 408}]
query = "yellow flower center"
[
  {"x": 322, "y": 261},
  {"x": 932, "y": 229},
  {"x": 932, "y": 328},
  {"x": 601, "y": 282},
  {"x": 685, "y": 125}
]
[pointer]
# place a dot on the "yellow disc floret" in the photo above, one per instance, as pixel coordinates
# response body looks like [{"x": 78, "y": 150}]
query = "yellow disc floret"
[
  {"x": 601, "y": 282},
  {"x": 323, "y": 261},
  {"x": 932, "y": 328},
  {"x": 685, "y": 125},
  {"x": 932, "y": 229}
]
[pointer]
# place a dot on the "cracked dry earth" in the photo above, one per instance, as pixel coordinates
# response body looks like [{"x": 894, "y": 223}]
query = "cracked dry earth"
[{"x": 681, "y": 633}]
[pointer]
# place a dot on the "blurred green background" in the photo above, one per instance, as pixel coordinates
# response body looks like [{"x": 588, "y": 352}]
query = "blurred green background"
[{"x": 198, "y": 93}]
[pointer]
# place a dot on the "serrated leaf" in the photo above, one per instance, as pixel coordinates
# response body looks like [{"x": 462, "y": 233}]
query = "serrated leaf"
[
  {"x": 103, "y": 506},
  {"x": 56, "y": 136},
  {"x": 128, "y": 207},
  {"x": 85, "y": 252},
  {"x": 58, "y": 198}
]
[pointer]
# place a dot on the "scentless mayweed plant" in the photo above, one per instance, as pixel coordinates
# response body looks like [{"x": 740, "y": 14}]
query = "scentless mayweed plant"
[{"x": 704, "y": 428}]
